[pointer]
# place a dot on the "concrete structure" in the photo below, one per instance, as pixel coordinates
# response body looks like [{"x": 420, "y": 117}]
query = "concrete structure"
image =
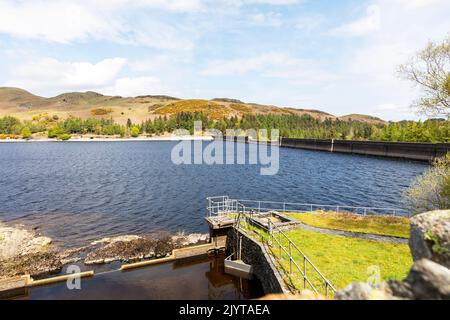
[{"x": 403, "y": 150}]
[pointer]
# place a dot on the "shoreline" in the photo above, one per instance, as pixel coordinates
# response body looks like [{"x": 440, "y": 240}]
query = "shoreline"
[{"x": 94, "y": 139}]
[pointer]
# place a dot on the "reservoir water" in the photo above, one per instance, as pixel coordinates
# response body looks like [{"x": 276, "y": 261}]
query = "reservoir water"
[
  {"x": 77, "y": 192},
  {"x": 194, "y": 279}
]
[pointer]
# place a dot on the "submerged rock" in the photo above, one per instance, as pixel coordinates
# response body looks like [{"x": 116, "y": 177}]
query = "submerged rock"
[
  {"x": 34, "y": 264},
  {"x": 430, "y": 237},
  {"x": 182, "y": 240},
  {"x": 126, "y": 249}
]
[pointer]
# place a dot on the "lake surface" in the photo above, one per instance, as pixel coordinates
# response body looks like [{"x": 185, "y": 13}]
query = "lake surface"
[{"x": 77, "y": 192}]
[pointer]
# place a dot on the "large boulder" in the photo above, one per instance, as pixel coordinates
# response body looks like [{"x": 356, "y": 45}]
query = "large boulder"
[
  {"x": 430, "y": 237},
  {"x": 429, "y": 280}
]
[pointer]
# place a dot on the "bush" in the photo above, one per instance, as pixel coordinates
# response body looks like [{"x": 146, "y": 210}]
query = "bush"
[
  {"x": 64, "y": 137},
  {"x": 100, "y": 112},
  {"x": 26, "y": 133},
  {"x": 134, "y": 132},
  {"x": 55, "y": 132},
  {"x": 430, "y": 191}
]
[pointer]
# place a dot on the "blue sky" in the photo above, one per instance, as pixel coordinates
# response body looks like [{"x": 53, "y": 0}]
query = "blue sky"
[{"x": 336, "y": 56}]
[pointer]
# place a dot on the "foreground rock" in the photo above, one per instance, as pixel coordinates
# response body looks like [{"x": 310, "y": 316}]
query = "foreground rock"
[
  {"x": 133, "y": 248},
  {"x": 429, "y": 277},
  {"x": 18, "y": 241},
  {"x": 35, "y": 264},
  {"x": 430, "y": 237},
  {"x": 26, "y": 252},
  {"x": 426, "y": 280}
]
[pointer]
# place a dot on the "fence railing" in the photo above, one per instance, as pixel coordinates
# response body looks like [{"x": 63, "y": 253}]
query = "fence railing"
[
  {"x": 223, "y": 204},
  {"x": 272, "y": 236}
]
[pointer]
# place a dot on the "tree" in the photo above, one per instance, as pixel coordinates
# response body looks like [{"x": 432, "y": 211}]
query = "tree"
[
  {"x": 430, "y": 70},
  {"x": 134, "y": 132},
  {"x": 26, "y": 133},
  {"x": 430, "y": 191}
]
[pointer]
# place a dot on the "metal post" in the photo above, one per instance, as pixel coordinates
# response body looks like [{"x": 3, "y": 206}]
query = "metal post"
[
  {"x": 304, "y": 272},
  {"x": 290, "y": 257},
  {"x": 279, "y": 242},
  {"x": 259, "y": 206},
  {"x": 284, "y": 206}
]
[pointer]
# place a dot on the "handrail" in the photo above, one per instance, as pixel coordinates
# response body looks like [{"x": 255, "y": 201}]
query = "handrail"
[
  {"x": 260, "y": 206},
  {"x": 292, "y": 260}
]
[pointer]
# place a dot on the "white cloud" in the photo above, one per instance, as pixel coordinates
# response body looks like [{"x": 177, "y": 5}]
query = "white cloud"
[
  {"x": 134, "y": 87},
  {"x": 69, "y": 21},
  {"x": 271, "y": 65},
  {"x": 267, "y": 19},
  {"x": 55, "y": 21},
  {"x": 363, "y": 26},
  {"x": 418, "y": 3},
  {"x": 53, "y": 76}
]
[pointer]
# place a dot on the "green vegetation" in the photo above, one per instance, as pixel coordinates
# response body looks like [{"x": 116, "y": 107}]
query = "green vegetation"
[
  {"x": 342, "y": 260},
  {"x": 431, "y": 190},
  {"x": 345, "y": 260},
  {"x": 290, "y": 126},
  {"x": 429, "y": 70},
  {"x": 100, "y": 111},
  {"x": 26, "y": 133},
  {"x": 381, "y": 225},
  {"x": 64, "y": 137},
  {"x": 134, "y": 132}
]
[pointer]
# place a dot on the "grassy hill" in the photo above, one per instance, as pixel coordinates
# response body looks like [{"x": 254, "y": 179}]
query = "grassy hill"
[{"x": 24, "y": 105}]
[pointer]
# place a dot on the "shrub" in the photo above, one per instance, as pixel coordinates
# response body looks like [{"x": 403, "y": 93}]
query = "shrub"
[
  {"x": 64, "y": 137},
  {"x": 100, "y": 111},
  {"x": 430, "y": 191},
  {"x": 134, "y": 132},
  {"x": 26, "y": 133},
  {"x": 55, "y": 132}
]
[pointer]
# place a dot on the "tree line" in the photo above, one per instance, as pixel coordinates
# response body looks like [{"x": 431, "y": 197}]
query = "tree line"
[{"x": 290, "y": 126}]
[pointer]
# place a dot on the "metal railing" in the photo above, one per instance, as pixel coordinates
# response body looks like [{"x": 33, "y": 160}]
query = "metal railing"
[
  {"x": 222, "y": 204},
  {"x": 272, "y": 236}
]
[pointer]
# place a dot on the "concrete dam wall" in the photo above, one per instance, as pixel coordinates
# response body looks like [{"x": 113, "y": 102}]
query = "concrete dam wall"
[{"x": 404, "y": 150}]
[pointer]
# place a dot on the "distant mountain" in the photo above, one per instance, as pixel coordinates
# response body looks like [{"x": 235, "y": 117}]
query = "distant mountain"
[
  {"x": 24, "y": 105},
  {"x": 362, "y": 118}
]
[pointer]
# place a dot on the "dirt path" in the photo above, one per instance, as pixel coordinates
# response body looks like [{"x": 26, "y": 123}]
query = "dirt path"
[{"x": 350, "y": 234}]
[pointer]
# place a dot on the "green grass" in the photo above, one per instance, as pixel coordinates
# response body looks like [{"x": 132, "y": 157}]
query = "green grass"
[
  {"x": 342, "y": 260},
  {"x": 381, "y": 225},
  {"x": 345, "y": 260}
]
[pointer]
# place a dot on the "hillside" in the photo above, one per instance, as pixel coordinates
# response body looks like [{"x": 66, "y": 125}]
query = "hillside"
[{"x": 24, "y": 105}]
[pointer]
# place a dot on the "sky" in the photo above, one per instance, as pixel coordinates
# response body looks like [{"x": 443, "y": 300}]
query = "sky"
[{"x": 336, "y": 56}]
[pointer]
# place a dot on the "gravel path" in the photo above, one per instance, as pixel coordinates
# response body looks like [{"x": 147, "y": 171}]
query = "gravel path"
[{"x": 358, "y": 235}]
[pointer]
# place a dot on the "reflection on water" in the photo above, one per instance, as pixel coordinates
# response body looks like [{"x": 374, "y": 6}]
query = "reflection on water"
[{"x": 199, "y": 279}]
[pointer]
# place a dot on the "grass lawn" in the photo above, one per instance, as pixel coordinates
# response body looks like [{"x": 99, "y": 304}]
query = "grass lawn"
[
  {"x": 345, "y": 260},
  {"x": 381, "y": 225}
]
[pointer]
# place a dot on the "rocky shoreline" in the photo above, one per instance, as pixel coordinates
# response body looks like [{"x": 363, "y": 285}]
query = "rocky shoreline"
[{"x": 24, "y": 251}]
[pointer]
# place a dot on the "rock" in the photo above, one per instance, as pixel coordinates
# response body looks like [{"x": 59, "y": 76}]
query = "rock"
[
  {"x": 430, "y": 237},
  {"x": 182, "y": 240},
  {"x": 18, "y": 241},
  {"x": 35, "y": 264},
  {"x": 72, "y": 255},
  {"x": 429, "y": 280},
  {"x": 364, "y": 291},
  {"x": 124, "y": 238},
  {"x": 129, "y": 250},
  {"x": 400, "y": 289}
]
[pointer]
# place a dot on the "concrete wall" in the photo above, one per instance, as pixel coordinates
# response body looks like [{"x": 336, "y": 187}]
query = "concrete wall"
[
  {"x": 404, "y": 150},
  {"x": 263, "y": 265}
]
